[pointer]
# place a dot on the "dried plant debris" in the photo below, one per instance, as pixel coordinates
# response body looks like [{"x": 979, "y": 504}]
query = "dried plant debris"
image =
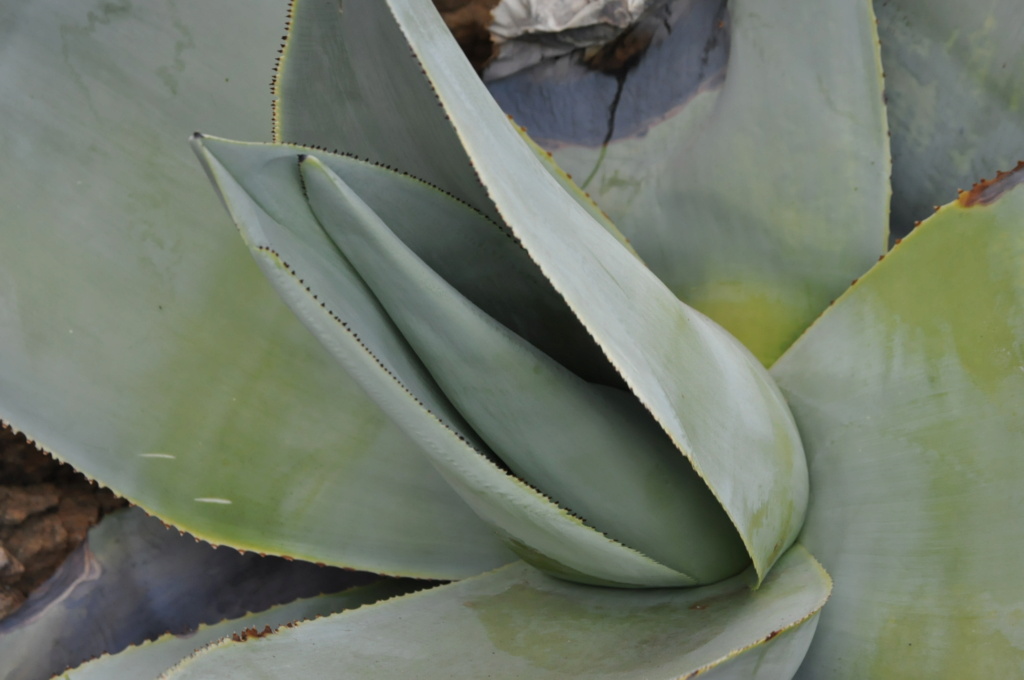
[
  {"x": 502, "y": 37},
  {"x": 469, "y": 21}
]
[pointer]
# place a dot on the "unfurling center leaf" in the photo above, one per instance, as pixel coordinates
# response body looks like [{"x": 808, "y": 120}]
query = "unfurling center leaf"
[{"x": 444, "y": 318}]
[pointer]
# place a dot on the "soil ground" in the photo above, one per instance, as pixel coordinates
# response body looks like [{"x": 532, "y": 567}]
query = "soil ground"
[{"x": 46, "y": 508}]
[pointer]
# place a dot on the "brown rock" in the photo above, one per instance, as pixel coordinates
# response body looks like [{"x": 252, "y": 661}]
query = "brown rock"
[
  {"x": 11, "y": 567},
  {"x": 21, "y": 463},
  {"x": 77, "y": 512},
  {"x": 37, "y": 537},
  {"x": 18, "y": 503},
  {"x": 46, "y": 508},
  {"x": 10, "y": 599},
  {"x": 468, "y": 21}
]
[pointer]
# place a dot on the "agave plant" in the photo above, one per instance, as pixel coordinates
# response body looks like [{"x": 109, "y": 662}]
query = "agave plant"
[{"x": 476, "y": 376}]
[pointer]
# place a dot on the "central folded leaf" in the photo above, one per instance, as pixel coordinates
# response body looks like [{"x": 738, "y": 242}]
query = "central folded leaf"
[
  {"x": 451, "y": 326},
  {"x": 592, "y": 448}
]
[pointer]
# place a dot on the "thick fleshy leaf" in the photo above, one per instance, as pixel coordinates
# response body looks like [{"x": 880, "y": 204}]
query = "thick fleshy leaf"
[
  {"x": 708, "y": 394},
  {"x": 262, "y": 188},
  {"x": 955, "y": 91},
  {"x": 566, "y": 182},
  {"x": 518, "y": 623},
  {"x": 563, "y": 435},
  {"x": 135, "y": 579},
  {"x": 151, "y": 659},
  {"x": 909, "y": 393},
  {"x": 138, "y": 340},
  {"x": 711, "y": 396},
  {"x": 742, "y": 151}
]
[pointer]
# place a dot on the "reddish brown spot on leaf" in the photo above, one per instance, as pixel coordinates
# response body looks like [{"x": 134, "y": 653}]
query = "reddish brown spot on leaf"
[
  {"x": 988, "y": 190},
  {"x": 251, "y": 633}
]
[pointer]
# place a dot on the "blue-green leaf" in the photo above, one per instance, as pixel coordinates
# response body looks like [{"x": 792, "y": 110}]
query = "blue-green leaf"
[
  {"x": 565, "y": 436},
  {"x": 708, "y": 394},
  {"x": 262, "y": 187},
  {"x": 909, "y": 393},
  {"x": 517, "y": 623}
]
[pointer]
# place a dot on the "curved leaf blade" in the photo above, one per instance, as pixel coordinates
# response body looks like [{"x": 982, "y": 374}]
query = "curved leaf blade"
[
  {"x": 518, "y": 623},
  {"x": 262, "y": 189},
  {"x": 711, "y": 396},
  {"x": 909, "y": 393},
  {"x": 583, "y": 198},
  {"x": 564, "y": 436}
]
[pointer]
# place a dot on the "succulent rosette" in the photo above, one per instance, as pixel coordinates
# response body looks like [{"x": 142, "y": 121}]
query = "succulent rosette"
[{"x": 650, "y": 431}]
